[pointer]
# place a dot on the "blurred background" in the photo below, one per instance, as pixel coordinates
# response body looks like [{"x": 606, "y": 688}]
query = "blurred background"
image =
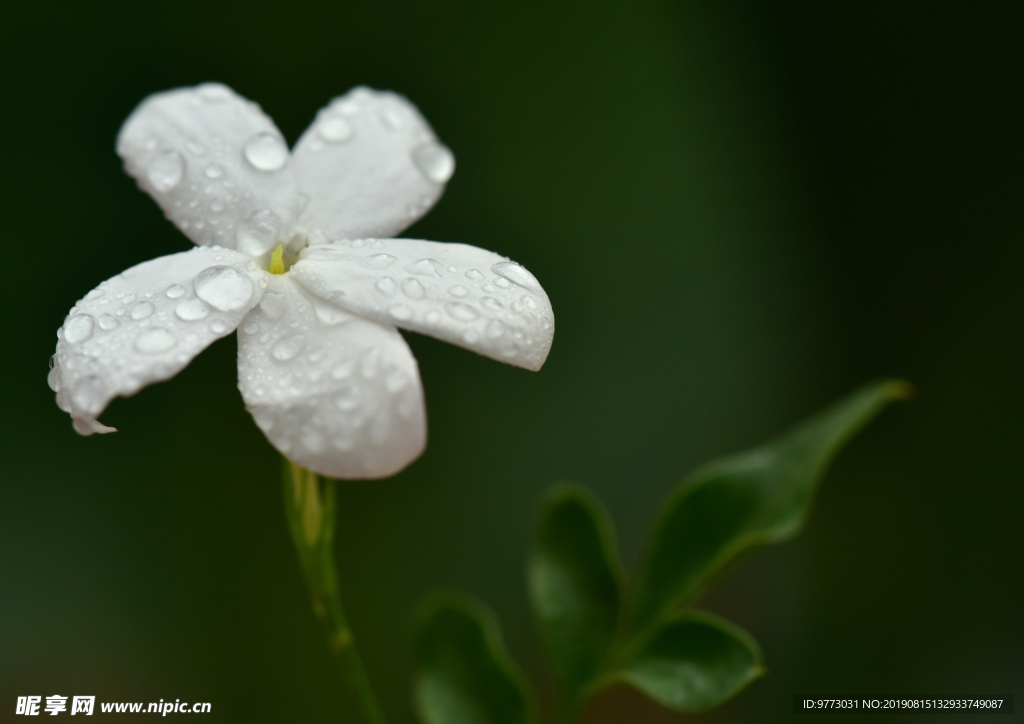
[{"x": 740, "y": 211}]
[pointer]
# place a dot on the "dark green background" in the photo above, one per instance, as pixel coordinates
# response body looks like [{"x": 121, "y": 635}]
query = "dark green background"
[{"x": 740, "y": 212}]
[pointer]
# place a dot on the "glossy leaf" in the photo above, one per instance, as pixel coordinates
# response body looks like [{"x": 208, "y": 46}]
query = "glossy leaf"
[
  {"x": 755, "y": 497},
  {"x": 693, "y": 663},
  {"x": 464, "y": 675},
  {"x": 575, "y": 584}
]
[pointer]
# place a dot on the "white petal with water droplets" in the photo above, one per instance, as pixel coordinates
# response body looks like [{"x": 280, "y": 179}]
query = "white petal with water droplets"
[
  {"x": 337, "y": 394},
  {"x": 464, "y": 295},
  {"x": 146, "y": 324},
  {"x": 210, "y": 159},
  {"x": 370, "y": 164}
]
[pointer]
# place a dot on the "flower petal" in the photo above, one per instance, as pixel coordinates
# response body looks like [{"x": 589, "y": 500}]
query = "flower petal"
[
  {"x": 370, "y": 164},
  {"x": 212, "y": 160},
  {"x": 146, "y": 324},
  {"x": 464, "y": 295},
  {"x": 336, "y": 394}
]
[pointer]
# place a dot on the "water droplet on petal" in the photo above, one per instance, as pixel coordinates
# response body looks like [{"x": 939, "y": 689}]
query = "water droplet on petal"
[
  {"x": 343, "y": 370},
  {"x": 458, "y": 291},
  {"x": 491, "y": 303},
  {"x": 166, "y": 171},
  {"x": 265, "y": 152},
  {"x": 88, "y": 394},
  {"x": 516, "y": 274},
  {"x": 396, "y": 381},
  {"x": 502, "y": 282},
  {"x": 78, "y": 328},
  {"x": 218, "y": 327},
  {"x": 288, "y": 348},
  {"x": 107, "y": 322},
  {"x": 274, "y": 306},
  {"x": 141, "y": 310},
  {"x": 155, "y": 341},
  {"x": 252, "y": 328},
  {"x": 191, "y": 309},
  {"x": 95, "y": 294},
  {"x": 348, "y": 399},
  {"x": 214, "y": 92},
  {"x": 223, "y": 288},
  {"x": 495, "y": 329},
  {"x": 195, "y": 147},
  {"x": 257, "y": 234},
  {"x": 213, "y": 171},
  {"x": 386, "y": 286},
  {"x": 335, "y": 129},
  {"x": 174, "y": 291},
  {"x": 474, "y": 275},
  {"x": 413, "y": 289},
  {"x": 461, "y": 312},
  {"x": 370, "y": 363},
  {"x": 434, "y": 161},
  {"x": 400, "y": 312},
  {"x": 378, "y": 261},
  {"x": 53, "y": 362},
  {"x": 426, "y": 267},
  {"x": 53, "y": 380}
]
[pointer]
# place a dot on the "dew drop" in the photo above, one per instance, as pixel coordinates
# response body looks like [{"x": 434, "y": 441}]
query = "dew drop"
[
  {"x": 392, "y": 118},
  {"x": 348, "y": 399},
  {"x": 213, "y": 171},
  {"x": 95, "y": 294},
  {"x": 474, "y": 275},
  {"x": 195, "y": 147},
  {"x": 434, "y": 161},
  {"x": 107, "y": 322},
  {"x": 223, "y": 288},
  {"x": 288, "y": 348},
  {"x": 461, "y": 312},
  {"x": 218, "y": 327},
  {"x": 274, "y": 306},
  {"x": 386, "y": 286},
  {"x": 378, "y": 261},
  {"x": 369, "y": 365},
  {"x": 335, "y": 129},
  {"x": 396, "y": 381},
  {"x": 214, "y": 92},
  {"x": 516, "y": 274},
  {"x": 491, "y": 303},
  {"x": 413, "y": 289},
  {"x": 257, "y": 234},
  {"x": 400, "y": 312},
  {"x": 141, "y": 310},
  {"x": 175, "y": 291},
  {"x": 53, "y": 362},
  {"x": 191, "y": 309},
  {"x": 155, "y": 341},
  {"x": 252, "y": 328},
  {"x": 166, "y": 171},
  {"x": 426, "y": 267},
  {"x": 495, "y": 329},
  {"x": 265, "y": 152},
  {"x": 343, "y": 370},
  {"x": 502, "y": 282},
  {"x": 53, "y": 380},
  {"x": 458, "y": 291},
  {"x": 78, "y": 328},
  {"x": 88, "y": 394}
]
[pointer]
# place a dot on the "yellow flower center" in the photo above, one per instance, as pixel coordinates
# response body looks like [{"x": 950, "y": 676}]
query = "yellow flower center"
[{"x": 277, "y": 260}]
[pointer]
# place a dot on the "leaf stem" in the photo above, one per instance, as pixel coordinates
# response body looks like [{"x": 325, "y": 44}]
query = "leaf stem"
[{"x": 309, "y": 508}]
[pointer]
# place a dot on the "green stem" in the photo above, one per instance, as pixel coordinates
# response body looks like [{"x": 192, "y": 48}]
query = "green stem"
[{"x": 309, "y": 507}]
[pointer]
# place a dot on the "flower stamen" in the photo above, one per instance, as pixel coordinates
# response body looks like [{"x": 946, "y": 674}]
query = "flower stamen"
[{"x": 277, "y": 260}]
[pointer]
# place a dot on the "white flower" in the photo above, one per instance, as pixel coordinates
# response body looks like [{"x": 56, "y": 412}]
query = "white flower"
[{"x": 321, "y": 367}]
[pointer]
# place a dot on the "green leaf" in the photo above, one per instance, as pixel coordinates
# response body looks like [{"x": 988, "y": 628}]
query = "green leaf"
[
  {"x": 755, "y": 497},
  {"x": 693, "y": 663},
  {"x": 575, "y": 584},
  {"x": 464, "y": 674}
]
